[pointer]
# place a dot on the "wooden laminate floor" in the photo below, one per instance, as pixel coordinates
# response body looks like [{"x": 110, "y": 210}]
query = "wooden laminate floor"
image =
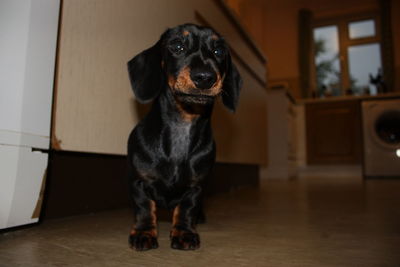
[{"x": 310, "y": 221}]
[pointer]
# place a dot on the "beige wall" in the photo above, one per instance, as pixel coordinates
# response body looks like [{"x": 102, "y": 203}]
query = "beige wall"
[
  {"x": 273, "y": 23},
  {"x": 94, "y": 104}
]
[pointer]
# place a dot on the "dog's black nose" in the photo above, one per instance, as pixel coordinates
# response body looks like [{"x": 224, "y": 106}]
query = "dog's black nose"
[{"x": 203, "y": 79}]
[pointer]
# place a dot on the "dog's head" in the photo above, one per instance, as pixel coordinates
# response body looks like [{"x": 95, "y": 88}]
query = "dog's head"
[{"x": 193, "y": 62}]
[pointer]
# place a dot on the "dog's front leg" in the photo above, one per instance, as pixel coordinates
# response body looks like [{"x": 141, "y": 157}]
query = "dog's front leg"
[
  {"x": 183, "y": 234},
  {"x": 143, "y": 235}
]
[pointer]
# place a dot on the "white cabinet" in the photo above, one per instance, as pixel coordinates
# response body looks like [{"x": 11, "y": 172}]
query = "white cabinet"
[{"x": 28, "y": 30}]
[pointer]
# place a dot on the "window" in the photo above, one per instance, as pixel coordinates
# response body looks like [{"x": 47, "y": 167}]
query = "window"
[{"x": 346, "y": 56}]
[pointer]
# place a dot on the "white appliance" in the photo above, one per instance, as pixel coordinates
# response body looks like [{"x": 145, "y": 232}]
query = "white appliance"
[
  {"x": 28, "y": 38},
  {"x": 381, "y": 128}
]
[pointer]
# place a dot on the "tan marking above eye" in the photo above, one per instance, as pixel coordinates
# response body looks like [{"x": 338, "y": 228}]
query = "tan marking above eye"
[{"x": 186, "y": 33}]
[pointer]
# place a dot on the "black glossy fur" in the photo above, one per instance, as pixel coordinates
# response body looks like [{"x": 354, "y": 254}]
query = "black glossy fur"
[{"x": 172, "y": 149}]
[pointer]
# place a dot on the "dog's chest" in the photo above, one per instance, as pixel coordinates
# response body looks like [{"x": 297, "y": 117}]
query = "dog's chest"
[{"x": 179, "y": 140}]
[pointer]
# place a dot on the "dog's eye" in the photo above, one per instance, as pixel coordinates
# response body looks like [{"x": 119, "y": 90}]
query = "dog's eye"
[
  {"x": 177, "y": 47},
  {"x": 219, "y": 51}
]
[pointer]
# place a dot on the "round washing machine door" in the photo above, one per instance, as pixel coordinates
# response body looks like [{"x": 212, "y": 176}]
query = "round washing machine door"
[{"x": 387, "y": 128}]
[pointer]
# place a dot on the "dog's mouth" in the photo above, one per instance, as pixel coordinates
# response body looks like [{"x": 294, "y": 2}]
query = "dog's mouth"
[{"x": 195, "y": 98}]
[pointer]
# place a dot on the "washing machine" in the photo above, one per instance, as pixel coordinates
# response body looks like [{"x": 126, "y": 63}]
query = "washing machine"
[{"x": 381, "y": 130}]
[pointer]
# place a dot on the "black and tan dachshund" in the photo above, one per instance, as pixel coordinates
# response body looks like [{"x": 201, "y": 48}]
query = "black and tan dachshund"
[{"x": 172, "y": 149}]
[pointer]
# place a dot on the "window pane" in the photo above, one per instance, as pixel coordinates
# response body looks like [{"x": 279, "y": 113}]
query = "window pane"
[
  {"x": 364, "y": 60},
  {"x": 362, "y": 28},
  {"x": 326, "y": 47}
]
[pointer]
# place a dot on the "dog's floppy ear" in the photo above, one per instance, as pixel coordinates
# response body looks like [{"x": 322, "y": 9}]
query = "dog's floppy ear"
[
  {"x": 145, "y": 73},
  {"x": 231, "y": 86}
]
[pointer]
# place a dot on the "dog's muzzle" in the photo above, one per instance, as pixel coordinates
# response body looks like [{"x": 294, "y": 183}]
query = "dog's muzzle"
[{"x": 203, "y": 79}]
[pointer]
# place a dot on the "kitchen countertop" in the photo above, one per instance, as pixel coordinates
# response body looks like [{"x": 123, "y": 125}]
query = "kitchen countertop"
[{"x": 348, "y": 98}]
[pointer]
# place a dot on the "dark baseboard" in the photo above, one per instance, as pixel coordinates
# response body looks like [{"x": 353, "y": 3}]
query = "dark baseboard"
[{"x": 82, "y": 183}]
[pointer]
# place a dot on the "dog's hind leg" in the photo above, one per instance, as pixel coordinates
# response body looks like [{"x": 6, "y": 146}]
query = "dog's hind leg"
[{"x": 201, "y": 216}]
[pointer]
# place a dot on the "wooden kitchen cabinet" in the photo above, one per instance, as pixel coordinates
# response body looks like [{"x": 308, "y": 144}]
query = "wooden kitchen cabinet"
[
  {"x": 333, "y": 132},
  {"x": 94, "y": 109}
]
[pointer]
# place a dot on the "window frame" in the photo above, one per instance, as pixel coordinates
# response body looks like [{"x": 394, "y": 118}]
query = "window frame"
[{"x": 345, "y": 42}]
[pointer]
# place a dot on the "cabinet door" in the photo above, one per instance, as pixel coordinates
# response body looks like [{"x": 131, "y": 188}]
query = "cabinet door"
[{"x": 333, "y": 133}]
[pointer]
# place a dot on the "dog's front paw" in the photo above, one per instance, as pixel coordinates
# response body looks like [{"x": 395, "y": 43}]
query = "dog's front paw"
[
  {"x": 184, "y": 240},
  {"x": 143, "y": 240}
]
